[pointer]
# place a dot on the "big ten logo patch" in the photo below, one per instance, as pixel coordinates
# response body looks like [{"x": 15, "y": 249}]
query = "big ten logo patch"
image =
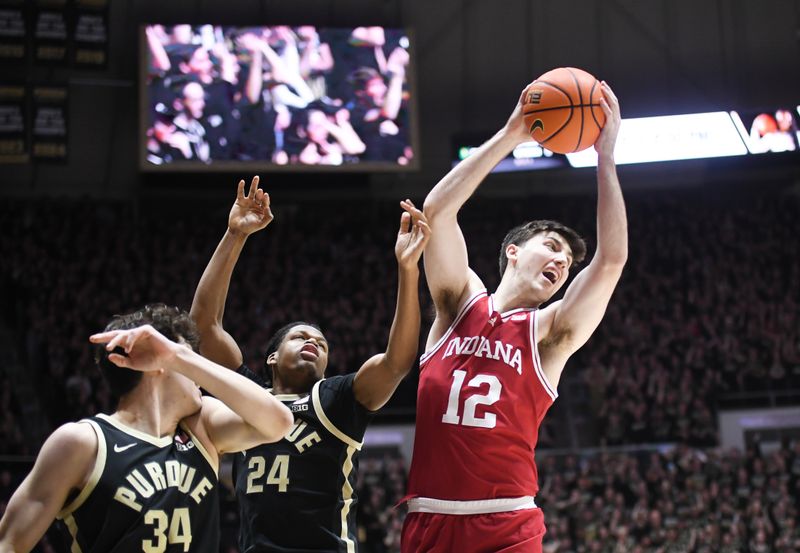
[
  {"x": 183, "y": 442},
  {"x": 300, "y": 405}
]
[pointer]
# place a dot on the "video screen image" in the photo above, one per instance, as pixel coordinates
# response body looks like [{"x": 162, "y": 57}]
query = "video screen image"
[
  {"x": 774, "y": 130},
  {"x": 279, "y": 95}
]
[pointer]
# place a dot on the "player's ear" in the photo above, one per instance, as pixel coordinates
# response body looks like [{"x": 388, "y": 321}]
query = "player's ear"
[
  {"x": 512, "y": 251},
  {"x": 272, "y": 359}
]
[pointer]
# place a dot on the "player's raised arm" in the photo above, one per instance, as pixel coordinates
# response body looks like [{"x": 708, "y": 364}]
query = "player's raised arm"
[
  {"x": 249, "y": 214},
  {"x": 446, "y": 264},
  {"x": 568, "y": 324},
  {"x": 243, "y": 415},
  {"x": 379, "y": 377},
  {"x": 63, "y": 466}
]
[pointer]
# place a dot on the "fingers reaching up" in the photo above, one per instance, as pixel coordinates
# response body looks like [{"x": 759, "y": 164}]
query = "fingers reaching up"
[
  {"x": 413, "y": 235},
  {"x": 252, "y": 212}
]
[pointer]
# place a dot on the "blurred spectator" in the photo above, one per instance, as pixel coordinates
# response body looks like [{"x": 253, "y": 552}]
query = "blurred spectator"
[{"x": 260, "y": 83}]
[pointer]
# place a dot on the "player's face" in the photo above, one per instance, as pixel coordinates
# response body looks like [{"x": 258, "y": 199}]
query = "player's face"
[
  {"x": 301, "y": 358},
  {"x": 376, "y": 89},
  {"x": 200, "y": 62},
  {"x": 194, "y": 100},
  {"x": 317, "y": 127},
  {"x": 543, "y": 263},
  {"x": 183, "y": 390},
  {"x": 784, "y": 119}
]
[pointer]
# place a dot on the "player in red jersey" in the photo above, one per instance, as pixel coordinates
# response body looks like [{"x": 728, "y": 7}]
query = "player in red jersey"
[{"x": 493, "y": 362}]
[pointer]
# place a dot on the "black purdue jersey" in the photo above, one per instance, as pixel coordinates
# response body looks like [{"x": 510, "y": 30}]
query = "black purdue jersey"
[
  {"x": 298, "y": 494},
  {"x": 145, "y": 494}
]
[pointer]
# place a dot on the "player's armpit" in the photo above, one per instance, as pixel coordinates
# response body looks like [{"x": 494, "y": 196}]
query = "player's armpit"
[
  {"x": 63, "y": 467},
  {"x": 449, "y": 305},
  {"x": 566, "y": 325}
]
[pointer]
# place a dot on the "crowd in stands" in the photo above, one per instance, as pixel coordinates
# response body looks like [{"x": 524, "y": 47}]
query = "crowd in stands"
[
  {"x": 667, "y": 500},
  {"x": 678, "y": 500},
  {"x": 708, "y": 305}
]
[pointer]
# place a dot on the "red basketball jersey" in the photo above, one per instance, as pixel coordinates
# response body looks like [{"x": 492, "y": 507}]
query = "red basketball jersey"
[{"x": 481, "y": 398}]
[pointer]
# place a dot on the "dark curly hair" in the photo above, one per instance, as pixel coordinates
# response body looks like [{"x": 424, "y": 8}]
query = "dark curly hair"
[{"x": 172, "y": 322}]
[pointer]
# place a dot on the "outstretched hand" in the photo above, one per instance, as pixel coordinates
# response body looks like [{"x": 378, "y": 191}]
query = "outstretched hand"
[
  {"x": 412, "y": 237},
  {"x": 250, "y": 213},
  {"x": 608, "y": 136},
  {"x": 146, "y": 348}
]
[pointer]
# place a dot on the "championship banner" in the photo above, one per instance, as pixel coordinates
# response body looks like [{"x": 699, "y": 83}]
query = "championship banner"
[
  {"x": 13, "y": 127},
  {"x": 49, "y": 123},
  {"x": 13, "y": 31},
  {"x": 50, "y": 31},
  {"x": 91, "y": 34}
]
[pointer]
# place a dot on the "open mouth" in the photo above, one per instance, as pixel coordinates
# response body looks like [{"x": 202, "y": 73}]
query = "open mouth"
[
  {"x": 550, "y": 275},
  {"x": 310, "y": 350}
]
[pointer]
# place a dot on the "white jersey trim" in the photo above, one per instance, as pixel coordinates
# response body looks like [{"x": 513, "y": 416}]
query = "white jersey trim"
[
  {"x": 94, "y": 477},
  {"x": 507, "y": 314},
  {"x": 201, "y": 448},
  {"x": 467, "y": 306},
  {"x": 162, "y": 441},
  {"x": 326, "y": 422},
  {"x": 479, "y": 507},
  {"x": 347, "y": 496},
  {"x": 537, "y": 362}
]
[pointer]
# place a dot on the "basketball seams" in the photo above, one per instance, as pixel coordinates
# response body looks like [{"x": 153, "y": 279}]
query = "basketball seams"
[
  {"x": 571, "y": 109},
  {"x": 591, "y": 95},
  {"x": 553, "y": 108},
  {"x": 554, "y": 97},
  {"x": 580, "y": 100}
]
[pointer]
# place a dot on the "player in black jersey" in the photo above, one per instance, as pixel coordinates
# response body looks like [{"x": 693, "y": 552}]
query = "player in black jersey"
[
  {"x": 297, "y": 494},
  {"x": 145, "y": 477}
]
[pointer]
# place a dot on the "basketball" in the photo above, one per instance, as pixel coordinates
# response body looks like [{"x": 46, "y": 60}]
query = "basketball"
[{"x": 561, "y": 110}]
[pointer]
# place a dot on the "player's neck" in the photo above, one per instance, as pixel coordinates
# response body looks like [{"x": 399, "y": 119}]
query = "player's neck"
[
  {"x": 147, "y": 410},
  {"x": 280, "y": 389},
  {"x": 509, "y": 295}
]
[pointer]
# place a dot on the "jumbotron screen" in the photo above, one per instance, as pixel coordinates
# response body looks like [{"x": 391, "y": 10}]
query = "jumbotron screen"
[
  {"x": 666, "y": 138},
  {"x": 277, "y": 97}
]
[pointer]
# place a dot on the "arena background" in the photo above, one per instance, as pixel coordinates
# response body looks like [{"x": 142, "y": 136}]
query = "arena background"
[{"x": 677, "y": 425}]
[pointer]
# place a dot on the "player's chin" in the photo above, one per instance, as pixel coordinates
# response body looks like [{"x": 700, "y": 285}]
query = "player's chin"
[{"x": 310, "y": 367}]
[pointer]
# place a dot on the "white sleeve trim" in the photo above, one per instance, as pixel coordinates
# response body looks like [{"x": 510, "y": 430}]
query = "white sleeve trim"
[
  {"x": 94, "y": 477},
  {"x": 201, "y": 448},
  {"x": 537, "y": 362},
  {"x": 467, "y": 306},
  {"x": 326, "y": 422}
]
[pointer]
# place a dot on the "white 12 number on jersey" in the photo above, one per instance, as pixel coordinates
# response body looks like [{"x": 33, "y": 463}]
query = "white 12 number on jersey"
[{"x": 489, "y": 420}]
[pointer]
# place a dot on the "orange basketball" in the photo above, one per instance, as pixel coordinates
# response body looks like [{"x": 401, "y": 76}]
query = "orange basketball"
[{"x": 562, "y": 110}]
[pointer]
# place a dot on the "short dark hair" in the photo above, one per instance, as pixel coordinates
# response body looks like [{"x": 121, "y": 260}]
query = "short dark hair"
[
  {"x": 275, "y": 342},
  {"x": 522, "y": 233},
  {"x": 359, "y": 78},
  {"x": 172, "y": 322}
]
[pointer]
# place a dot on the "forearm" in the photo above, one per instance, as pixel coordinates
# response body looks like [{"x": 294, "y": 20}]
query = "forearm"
[
  {"x": 208, "y": 305},
  {"x": 612, "y": 222},
  {"x": 394, "y": 96},
  {"x": 253, "y": 404},
  {"x": 460, "y": 183},
  {"x": 159, "y": 54},
  {"x": 401, "y": 350},
  {"x": 348, "y": 138},
  {"x": 255, "y": 80}
]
